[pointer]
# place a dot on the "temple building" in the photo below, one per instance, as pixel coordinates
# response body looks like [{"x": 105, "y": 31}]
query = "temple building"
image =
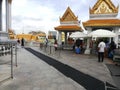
[
  {"x": 103, "y": 15},
  {"x": 68, "y": 23},
  {"x": 11, "y": 34},
  {"x": 8, "y": 14}
]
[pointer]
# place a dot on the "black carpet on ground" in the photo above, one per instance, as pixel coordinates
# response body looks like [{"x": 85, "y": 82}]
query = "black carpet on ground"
[{"x": 88, "y": 82}]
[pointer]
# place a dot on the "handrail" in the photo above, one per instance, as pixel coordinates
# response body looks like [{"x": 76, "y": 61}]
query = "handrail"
[{"x": 7, "y": 47}]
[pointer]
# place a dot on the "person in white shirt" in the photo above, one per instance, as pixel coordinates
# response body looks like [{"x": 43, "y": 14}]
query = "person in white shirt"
[{"x": 101, "y": 50}]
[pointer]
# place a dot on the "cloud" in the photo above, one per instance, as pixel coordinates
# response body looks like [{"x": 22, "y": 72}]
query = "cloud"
[
  {"x": 37, "y": 17},
  {"x": 20, "y": 3},
  {"x": 29, "y": 15}
]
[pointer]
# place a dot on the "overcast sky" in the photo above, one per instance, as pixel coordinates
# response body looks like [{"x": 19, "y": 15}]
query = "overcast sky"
[{"x": 34, "y": 15}]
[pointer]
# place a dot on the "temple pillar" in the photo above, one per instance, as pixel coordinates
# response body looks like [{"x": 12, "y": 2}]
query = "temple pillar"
[
  {"x": 0, "y": 15},
  {"x": 116, "y": 39},
  {"x": 8, "y": 15},
  {"x": 87, "y": 51},
  {"x": 59, "y": 37}
]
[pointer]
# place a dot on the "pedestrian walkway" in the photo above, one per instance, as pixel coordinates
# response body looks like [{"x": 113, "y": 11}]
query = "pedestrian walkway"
[{"x": 34, "y": 74}]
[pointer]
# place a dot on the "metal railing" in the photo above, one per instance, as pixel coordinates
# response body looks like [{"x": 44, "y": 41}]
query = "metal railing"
[
  {"x": 8, "y": 49},
  {"x": 50, "y": 49}
]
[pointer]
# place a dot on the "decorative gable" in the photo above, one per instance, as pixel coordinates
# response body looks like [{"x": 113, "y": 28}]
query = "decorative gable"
[
  {"x": 69, "y": 22},
  {"x": 68, "y": 16},
  {"x": 104, "y": 7}
]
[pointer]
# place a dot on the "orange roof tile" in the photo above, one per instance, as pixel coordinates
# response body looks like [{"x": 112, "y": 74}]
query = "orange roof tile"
[
  {"x": 68, "y": 28},
  {"x": 102, "y": 22}
]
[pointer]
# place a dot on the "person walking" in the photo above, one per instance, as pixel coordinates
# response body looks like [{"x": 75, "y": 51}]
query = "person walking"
[
  {"x": 55, "y": 44},
  {"x": 101, "y": 50},
  {"x": 22, "y": 42},
  {"x": 18, "y": 42},
  {"x": 46, "y": 42}
]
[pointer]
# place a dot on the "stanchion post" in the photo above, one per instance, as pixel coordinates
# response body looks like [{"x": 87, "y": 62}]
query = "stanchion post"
[
  {"x": 11, "y": 61},
  {"x": 16, "y": 55},
  {"x": 59, "y": 49},
  {"x": 50, "y": 49}
]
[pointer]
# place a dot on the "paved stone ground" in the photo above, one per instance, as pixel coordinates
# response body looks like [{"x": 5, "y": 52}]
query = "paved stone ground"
[
  {"x": 5, "y": 67},
  {"x": 87, "y": 64},
  {"x": 34, "y": 74}
]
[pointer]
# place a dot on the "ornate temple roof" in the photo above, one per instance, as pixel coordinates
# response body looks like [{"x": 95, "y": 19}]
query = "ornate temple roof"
[
  {"x": 68, "y": 16},
  {"x": 69, "y": 22},
  {"x": 102, "y": 22},
  {"x": 104, "y": 13},
  {"x": 104, "y": 7}
]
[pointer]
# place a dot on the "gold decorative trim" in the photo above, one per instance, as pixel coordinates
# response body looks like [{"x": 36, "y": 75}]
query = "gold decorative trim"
[{"x": 110, "y": 7}]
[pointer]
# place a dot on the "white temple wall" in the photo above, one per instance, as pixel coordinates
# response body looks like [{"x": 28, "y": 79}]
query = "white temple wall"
[
  {"x": 59, "y": 37},
  {"x": 116, "y": 39}
]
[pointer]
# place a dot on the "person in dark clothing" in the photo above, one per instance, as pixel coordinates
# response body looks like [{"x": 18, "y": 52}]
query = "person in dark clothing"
[
  {"x": 78, "y": 42},
  {"x": 18, "y": 41},
  {"x": 101, "y": 50},
  {"x": 22, "y": 42},
  {"x": 111, "y": 49},
  {"x": 46, "y": 42},
  {"x": 112, "y": 45},
  {"x": 55, "y": 44}
]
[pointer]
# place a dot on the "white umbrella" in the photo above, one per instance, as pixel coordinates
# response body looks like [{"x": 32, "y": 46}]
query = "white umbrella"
[
  {"x": 78, "y": 35},
  {"x": 101, "y": 33}
]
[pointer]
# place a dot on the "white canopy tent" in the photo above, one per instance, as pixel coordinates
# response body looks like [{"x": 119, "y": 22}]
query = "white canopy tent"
[
  {"x": 101, "y": 33},
  {"x": 78, "y": 35}
]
